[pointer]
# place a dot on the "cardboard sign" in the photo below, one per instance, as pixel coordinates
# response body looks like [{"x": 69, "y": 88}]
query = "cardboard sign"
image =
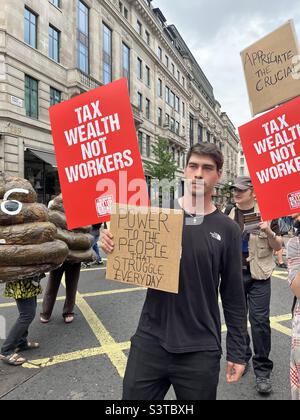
[
  {"x": 271, "y": 145},
  {"x": 97, "y": 153},
  {"x": 270, "y": 71},
  {"x": 147, "y": 248}
]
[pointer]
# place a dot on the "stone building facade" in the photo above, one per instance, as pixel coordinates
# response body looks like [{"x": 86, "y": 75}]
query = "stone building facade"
[{"x": 52, "y": 49}]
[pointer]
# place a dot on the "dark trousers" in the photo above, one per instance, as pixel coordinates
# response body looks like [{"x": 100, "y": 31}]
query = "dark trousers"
[
  {"x": 258, "y": 297},
  {"x": 72, "y": 273},
  {"x": 19, "y": 332},
  {"x": 151, "y": 371}
]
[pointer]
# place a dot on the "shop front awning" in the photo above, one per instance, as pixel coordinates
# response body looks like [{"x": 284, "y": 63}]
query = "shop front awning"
[{"x": 46, "y": 157}]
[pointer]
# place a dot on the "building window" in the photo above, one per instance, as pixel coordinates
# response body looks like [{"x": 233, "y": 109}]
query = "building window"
[
  {"x": 126, "y": 63},
  {"x": 172, "y": 99},
  {"x": 140, "y": 137},
  {"x": 173, "y": 69},
  {"x": 121, "y": 7},
  {"x": 125, "y": 13},
  {"x": 173, "y": 125},
  {"x": 183, "y": 160},
  {"x": 139, "y": 27},
  {"x": 148, "y": 146},
  {"x": 83, "y": 37},
  {"x": 54, "y": 40},
  {"x": 55, "y": 96},
  {"x": 140, "y": 101},
  {"x": 167, "y": 122},
  {"x": 31, "y": 97},
  {"x": 148, "y": 76},
  {"x": 159, "y": 88},
  {"x": 177, "y": 128},
  {"x": 191, "y": 130},
  {"x": 30, "y": 28},
  {"x": 200, "y": 133},
  {"x": 178, "y": 75},
  {"x": 55, "y": 2},
  {"x": 107, "y": 54},
  {"x": 167, "y": 95},
  {"x": 159, "y": 114},
  {"x": 183, "y": 109},
  {"x": 173, "y": 153},
  {"x": 177, "y": 104},
  {"x": 167, "y": 61},
  {"x": 147, "y": 37},
  {"x": 208, "y": 137},
  {"x": 159, "y": 53},
  {"x": 183, "y": 81},
  {"x": 139, "y": 69},
  {"x": 148, "y": 109}
]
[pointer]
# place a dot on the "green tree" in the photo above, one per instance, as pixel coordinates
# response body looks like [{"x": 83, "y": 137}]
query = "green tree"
[{"x": 164, "y": 167}]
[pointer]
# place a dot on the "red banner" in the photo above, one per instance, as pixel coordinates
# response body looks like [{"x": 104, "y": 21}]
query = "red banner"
[
  {"x": 271, "y": 145},
  {"x": 97, "y": 153}
]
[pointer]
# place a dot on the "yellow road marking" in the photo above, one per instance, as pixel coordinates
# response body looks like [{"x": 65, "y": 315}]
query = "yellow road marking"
[
  {"x": 85, "y": 295},
  {"x": 280, "y": 275},
  {"x": 117, "y": 357},
  {"x": 117, "y": 348},
  {"x": 275, "y": 324},
  {"x": 76, "y": 355}
]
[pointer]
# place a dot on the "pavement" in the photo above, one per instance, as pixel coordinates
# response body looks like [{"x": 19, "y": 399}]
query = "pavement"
[{"x": 86, "y": 360}]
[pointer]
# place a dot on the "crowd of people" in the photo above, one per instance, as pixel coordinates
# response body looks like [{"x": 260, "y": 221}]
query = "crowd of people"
[{"x": 178, "y": 337}]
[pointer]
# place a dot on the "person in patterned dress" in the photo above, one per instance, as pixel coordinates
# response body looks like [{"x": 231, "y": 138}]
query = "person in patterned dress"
[
  {"x": 293, "y": 257},
  {"x": 25, "y": 293}
]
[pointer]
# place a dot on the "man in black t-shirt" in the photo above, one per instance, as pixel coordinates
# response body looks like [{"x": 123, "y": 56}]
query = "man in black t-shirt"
[
  {"x": 258, "y": 264},
  {"x": 178, "y": 339}
]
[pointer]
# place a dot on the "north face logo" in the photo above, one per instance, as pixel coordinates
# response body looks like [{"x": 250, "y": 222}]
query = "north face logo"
[{"x": 216, "y": 236}]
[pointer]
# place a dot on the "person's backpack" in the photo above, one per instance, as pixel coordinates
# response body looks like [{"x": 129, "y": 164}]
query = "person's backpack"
[{"x": 284, "y": 225}]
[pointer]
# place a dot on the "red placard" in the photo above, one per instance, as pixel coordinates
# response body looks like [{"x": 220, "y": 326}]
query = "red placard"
[
  {"x": 97, "y": 153},
  {"x": 271, "y": 145}
]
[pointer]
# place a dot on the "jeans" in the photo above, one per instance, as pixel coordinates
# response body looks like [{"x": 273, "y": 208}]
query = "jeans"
[
  {"x": 96, "y": 247},
  {"x": 151, "y": 371},
  {"x": 19, "y": 332},
  {"x": 258, "y": 297}
]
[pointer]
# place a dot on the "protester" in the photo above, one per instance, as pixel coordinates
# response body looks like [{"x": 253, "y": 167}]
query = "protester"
[
  {"x": 178, "y": 339},
  {"x": 28, "y": 250},
  {"x": 79, "y": 243},
  {"x": 293, "y": 255},
  {"x": 96, "y": 234},
  {"x": 258, "y": 265},
  {"x": 285, "y": 229}
]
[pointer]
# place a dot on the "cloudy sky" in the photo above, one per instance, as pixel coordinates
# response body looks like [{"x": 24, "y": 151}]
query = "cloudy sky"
[{"x": 216, "y": 31}]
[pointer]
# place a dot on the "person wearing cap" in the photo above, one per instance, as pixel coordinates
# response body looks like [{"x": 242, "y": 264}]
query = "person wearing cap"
[
  {"x": 293, "y": 258},
  {"x": 258, "y": 245}
]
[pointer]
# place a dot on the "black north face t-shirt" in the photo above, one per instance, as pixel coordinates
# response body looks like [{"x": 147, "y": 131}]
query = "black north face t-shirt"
[{"x": 190, "y": 321}]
